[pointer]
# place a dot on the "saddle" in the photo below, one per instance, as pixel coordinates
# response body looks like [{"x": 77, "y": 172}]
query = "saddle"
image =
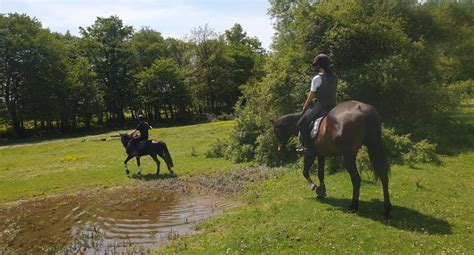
[
  {"x": 140, "y": 148},
  {"x": 314, "y": 126}
]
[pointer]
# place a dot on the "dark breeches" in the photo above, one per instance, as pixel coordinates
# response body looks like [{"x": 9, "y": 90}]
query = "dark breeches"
[{"x": 310, "y": 115}]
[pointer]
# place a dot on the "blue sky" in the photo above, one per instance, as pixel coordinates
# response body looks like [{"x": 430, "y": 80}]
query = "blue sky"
[{"x": 171, "y": 18}]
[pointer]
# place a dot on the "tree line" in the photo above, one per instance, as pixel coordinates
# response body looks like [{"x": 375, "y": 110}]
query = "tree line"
[{"x": 110, "y": 73}]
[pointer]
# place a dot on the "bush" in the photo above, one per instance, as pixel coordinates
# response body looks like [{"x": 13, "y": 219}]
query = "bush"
[
  {"x": 399, "y": 149},
  {"x": 217, "y": 149},
  {"x": 244, "y": 153}
]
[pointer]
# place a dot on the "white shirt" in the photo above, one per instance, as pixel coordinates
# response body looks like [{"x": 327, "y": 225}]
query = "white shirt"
[{"x": 316, "y": 83}]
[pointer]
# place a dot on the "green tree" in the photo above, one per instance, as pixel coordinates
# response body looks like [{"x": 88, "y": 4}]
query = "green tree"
[
  {"x": 211, "y": 70},
  {"x": 107, "y": 48},
  {"x": 147, "y": 45},
  {"x": 85, "y": 98},
  {"x": 163, "y": 90},
  {"x": 246, "y": 53},
  {"x": 33, "y": 76},
  {"x": 386, "y": 53}
]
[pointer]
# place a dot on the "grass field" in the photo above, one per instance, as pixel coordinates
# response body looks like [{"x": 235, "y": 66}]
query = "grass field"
[
  {"x": 68, "y": 165},
  {"x": 432, "y": 212}
]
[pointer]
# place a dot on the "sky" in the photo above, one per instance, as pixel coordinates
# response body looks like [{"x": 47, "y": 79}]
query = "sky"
[{"x": 171, "y": 18}]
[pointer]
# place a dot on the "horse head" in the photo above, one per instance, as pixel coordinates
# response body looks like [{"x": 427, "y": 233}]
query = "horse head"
[{"x": 284, "y": 127}]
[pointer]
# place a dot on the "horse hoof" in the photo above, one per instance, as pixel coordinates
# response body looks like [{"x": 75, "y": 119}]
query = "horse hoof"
[
  {"x": 352, "y": 209},
  {"x": 139, "y": 174},
  {"x": 321, "y": 192}
]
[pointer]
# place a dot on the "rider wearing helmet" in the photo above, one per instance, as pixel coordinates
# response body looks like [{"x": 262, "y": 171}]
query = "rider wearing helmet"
[
  {"x": 143, "y": 127},
  {"x": 323, "y": 88}
]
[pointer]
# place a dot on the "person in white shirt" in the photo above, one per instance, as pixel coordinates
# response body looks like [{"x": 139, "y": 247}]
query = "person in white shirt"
[{"x": 323, "y": 88}]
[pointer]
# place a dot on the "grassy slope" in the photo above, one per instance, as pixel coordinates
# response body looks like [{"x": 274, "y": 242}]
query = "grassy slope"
[
  {"x": 68, "y": 165},
  {"x": 432, "y": 213}
]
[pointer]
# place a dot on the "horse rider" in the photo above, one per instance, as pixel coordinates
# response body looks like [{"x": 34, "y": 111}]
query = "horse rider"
[
  {"x": 323, "y": 88},
  {"x": 143, "y": 128}
]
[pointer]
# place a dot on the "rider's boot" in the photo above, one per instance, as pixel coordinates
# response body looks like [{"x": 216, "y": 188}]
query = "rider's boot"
[{"x": 308, "y": 148}]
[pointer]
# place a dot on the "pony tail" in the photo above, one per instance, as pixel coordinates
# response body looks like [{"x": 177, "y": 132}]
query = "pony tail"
[
  {"x": 374, "y": 143},
  {"x": 167, "y": 155}
]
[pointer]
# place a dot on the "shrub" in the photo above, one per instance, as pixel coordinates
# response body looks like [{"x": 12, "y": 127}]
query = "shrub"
[
  {"x": 399, "y": 149},
  {"x": 217, "y": 149}
]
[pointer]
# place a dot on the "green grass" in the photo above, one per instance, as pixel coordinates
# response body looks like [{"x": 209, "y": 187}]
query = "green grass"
[
  {"x": 432, "y": 213},
  {"x": 68, "y": 165}
]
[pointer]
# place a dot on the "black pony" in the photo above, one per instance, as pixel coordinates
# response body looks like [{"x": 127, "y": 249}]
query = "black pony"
[
  {"x": 151, "y": 148},
  {"x": 346, "y": 128}
]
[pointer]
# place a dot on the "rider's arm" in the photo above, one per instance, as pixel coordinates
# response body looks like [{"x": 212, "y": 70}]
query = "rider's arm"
[
  {"x": 309, "y": 100},
  {"x": 315, "y": 83},
  {"x": 136, "y": 129}
]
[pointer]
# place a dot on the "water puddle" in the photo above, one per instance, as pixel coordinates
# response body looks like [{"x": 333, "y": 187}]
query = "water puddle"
[{"x": 120, "y": 220}]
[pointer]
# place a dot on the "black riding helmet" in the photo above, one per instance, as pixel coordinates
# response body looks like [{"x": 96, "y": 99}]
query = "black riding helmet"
[
  {"x": 322, "y": 60},
  {"x": 141, "y": 117}
]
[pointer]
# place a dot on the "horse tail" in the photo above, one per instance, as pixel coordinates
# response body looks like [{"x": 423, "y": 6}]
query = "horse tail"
[
  {"x": 374, "y": 143},
  {"x": 167, "y": 155}
]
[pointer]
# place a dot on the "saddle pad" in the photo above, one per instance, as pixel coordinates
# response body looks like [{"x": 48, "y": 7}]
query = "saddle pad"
[{"x": 315, "y": 127}]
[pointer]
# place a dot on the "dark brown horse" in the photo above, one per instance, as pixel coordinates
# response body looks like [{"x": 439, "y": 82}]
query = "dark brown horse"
[
  {"x": 346, "y": 128},
  {"x": 151, "y": 148}
]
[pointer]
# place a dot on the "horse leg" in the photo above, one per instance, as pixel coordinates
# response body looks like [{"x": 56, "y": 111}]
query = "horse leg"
[
  {"x": 308, "y": 162},
  {"x": 153, "y": 156},
  {"x": 125, "y": 163},
  {"x": 139, "y": 169},
  {"x": 350, "y": 165},
  {"x": 386, "y": 198},
  {"x": 321, "y": 190}
]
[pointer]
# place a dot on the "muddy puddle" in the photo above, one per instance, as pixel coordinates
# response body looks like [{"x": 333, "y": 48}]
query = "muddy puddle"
[{"x": 119, "y": 220}]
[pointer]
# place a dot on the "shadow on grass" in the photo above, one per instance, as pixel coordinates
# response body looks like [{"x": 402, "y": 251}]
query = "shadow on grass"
[
  {"x": 402, "y": 218},
  {"x": 148, "y": 177}
]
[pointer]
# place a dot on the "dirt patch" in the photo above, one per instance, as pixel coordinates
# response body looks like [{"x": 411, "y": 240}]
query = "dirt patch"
[
  {"x": 126, "y": 220},
  {"x": 236, "y": 181}
]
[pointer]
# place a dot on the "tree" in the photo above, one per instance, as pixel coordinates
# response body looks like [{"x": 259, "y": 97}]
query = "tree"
[
  {"x": 85, "y": 98},
  {"x": 106, "y": 47},
  {"x": 147, "y": 45},
  {"x": 163, "y": 89},
  {"x": 384, "y": 53},
  {"x": 246, "y": 53},
  {"x": 33, "y": 72},
  {"x": 211, "y": 70}
]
